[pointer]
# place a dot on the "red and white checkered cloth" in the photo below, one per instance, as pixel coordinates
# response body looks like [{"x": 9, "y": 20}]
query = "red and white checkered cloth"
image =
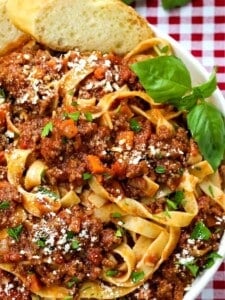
[{"x": 200, "y": 28}]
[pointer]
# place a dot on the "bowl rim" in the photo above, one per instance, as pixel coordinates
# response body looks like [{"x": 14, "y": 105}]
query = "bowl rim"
[{"x": 198, "y": 74}]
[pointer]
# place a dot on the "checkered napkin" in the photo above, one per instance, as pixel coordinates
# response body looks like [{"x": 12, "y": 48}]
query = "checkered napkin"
[{"x": 200, "y": 28}]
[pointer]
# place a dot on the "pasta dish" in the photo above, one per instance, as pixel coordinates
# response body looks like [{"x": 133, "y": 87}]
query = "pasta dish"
[{"x": 104, "y": 193}]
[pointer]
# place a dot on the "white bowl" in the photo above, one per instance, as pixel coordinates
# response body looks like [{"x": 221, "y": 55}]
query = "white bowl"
[{"x": 198, "y": 75}]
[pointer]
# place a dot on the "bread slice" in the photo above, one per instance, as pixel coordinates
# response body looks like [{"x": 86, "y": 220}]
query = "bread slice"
[
  {"x": 10, "y": 36},
  {"x": 104, "y": 25}
]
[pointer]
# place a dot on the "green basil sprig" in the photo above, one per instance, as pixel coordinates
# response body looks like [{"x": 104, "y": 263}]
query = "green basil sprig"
[
  {"x": 163, "y": 77},
  {"x": 167, "y": 80},
  {"x": 169, "y": 4}
]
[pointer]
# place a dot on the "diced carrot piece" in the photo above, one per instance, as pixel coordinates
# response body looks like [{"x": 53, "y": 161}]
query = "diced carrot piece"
[
  {"x": 125, "y": 138},
  {"x": 2, "y": 157},
  {"x": 95, "y": 165},
  {"x": 99, "y": 72},
  {"x": 118, "y": 169},
  {"x": 33, "y": 282},
  {"x": 68, "y": 128},
  {"x": 126, "y": 111},
  {"x": 2, "y": 118}
]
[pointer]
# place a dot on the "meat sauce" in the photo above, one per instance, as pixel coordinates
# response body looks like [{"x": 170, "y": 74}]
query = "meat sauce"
[{"x": 73, "y": 239}]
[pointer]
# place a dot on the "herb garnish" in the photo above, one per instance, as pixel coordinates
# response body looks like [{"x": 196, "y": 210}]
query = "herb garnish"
[
  {"x": 169, "y": 4},
  {"x": 167, "y": 80},
  {"x": 75, "y": 244},
  {"x": 175, "y": 200},
  {"x": 15, "y": 232},
  {"x": 137, "y": 276},
  {"x": 74, "y": 280},
  {"x": 4, "y": 205},
  {"x": 111, "y": 273},
  {"x": 160, "y": 169},
  {"x": 192, "y": 267},
  {"x": 119, "y": 232},
  {"x": 200, "y": 232},
  {"x": 116, "y": 215},
  {"x": 2, "y": 95},
  {"x": 88, "y": 116},
  {"x": 211, "y": 259},
  {"x": 135, "y": 125},
  {"x": 74, "y": 116},
  {"x": 46, "y": 191},
  {"x": 87, "y": 176},
  {"x": 41, "y": 242},
  {"x": 48, "y": 128}
]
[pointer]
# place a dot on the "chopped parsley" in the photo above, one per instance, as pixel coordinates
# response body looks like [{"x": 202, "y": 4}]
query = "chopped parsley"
[
  {"x": 74, "y": 280},
  {"x": 75, "y": 244},
  {"x": 69, "y": 235},
  {"x": 160, "y": 169},
  {"x": 15, "y": 232},
  {"x": 87, "y": 176},
  {"x": 137, "y": 276},
  {"x": 211, "y": 258},
  {"x": 73, "y": 116},
  {"x": 48, "y": 128},
  {"x": 119, "y": 232},
  {"x": 46, "y": 191},
  {"x": 116, "y": 215},
  {"x": 2, "y": 94},
  {"x": 41, "y": 242},
  {"x": 4, "y": 205},
  {"x": 175, "y": 200},
  {"x": 111, "y": 273},
  {"x": 200, "y": 232},
  {"x": 135, "y": 125},
  {"x": 192, "y": 267},
  {"x": 88, "y": 116}
]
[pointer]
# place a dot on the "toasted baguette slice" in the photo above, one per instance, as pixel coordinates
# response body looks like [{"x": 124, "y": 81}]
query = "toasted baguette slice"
[
  {"x": 10, "y": 36},
  {"x": 104, "y": 25}
]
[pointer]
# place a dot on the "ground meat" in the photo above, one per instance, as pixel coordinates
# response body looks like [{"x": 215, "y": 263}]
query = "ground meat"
[
  {"x": 135, "y": 188},
  {"x": 109, "y": 240},
  {"x": 12, "y": 288},
  {"x": 73, "y": 243},
  {"x": 30, "y": 133},
  {"x": 51, "y": 148},
  {"x": 222, "y": 174},
  {"x": 9, "y": 199}
]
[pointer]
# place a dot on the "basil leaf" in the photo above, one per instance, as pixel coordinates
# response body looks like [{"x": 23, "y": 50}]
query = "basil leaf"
[
  {"x": 200, "y": 232},
  {"x": 207, "y": 127},
  {"x": 184, "y": 103},
  {"x": 128, "y": 2},
  {"x": 163, "y": 77},
  {"x": 169, "y": 4},
  {"x": 206, "y": 89}
]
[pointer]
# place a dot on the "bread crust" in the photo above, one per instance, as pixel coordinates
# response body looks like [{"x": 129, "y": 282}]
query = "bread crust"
[
  {"x": 10, "y": 36},
  {"x": 104, "y": 25}
]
